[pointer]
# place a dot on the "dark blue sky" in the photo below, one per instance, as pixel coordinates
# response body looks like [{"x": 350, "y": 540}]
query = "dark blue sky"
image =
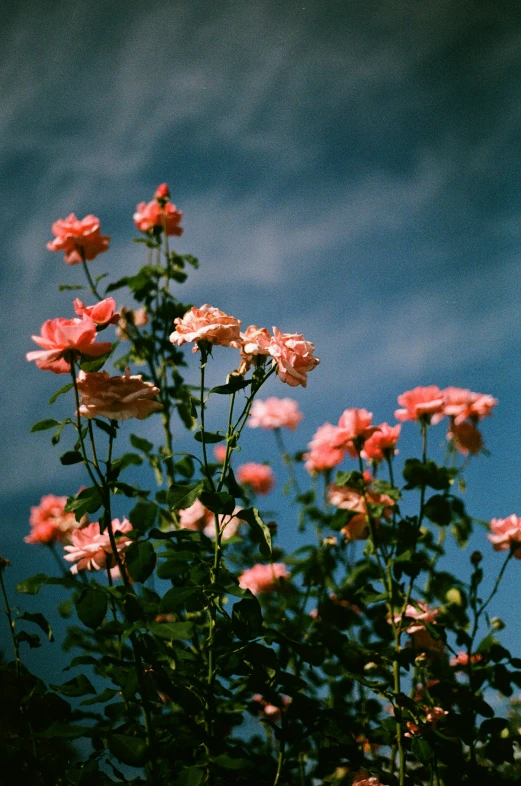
[{"x": 346, "y": 169}]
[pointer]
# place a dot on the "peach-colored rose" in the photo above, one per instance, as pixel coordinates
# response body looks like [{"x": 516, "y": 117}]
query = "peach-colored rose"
[
  {"x": 90, "y": 549},
  {"x": 116, "y": 398},
  {"x": 294, "y": 357},
  {"x": 259, "y": 477},
  {"x": 264, "y": 578},
  {"x": 461, "y": 403},
  {"x": 462, "y": 659},
  {"x": 79, "y": 239},
  {"x": 152, "y": 214},
  {"x": 347, "y": 498},
  {"x": 421, "y": 613},
  {"x": 206, "y": 324},
  {"x": 66, "y": 339},
  {"x": 420, "y": 403},
  {"x": 219, "y": 452},
  {"x": 322, "y": 454},
  {"x": 354, "y": 427},
  {"x": 254, "y": 341},
  {"x": 269, "y": 710},
  {"x": 382, "y": 444},
  {"x": 505, "y": 533},
  {"x": 275, "y": 413},
  {"x": 49, "y": 521},
  {"x": 102, "y": 313},
  {"x": 466, "y": 438},
  {"x": 197, "y": 517}
]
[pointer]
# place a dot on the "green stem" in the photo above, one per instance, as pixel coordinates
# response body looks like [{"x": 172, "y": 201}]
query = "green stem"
[
  {"x": 10, "y": 621},
  {"x": 286, "y": 458},
  {"x": 86, "y": 270}
]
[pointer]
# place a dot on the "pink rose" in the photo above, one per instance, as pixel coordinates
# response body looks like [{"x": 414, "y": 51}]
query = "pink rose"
[
  {"x": 294, "y": 357},
  {"x": 420, "y": 404},
  {"x": 219, "y": 452},
  {"x": 79, "y": 239},
  {"x": 382, "y": 444},
  {"x": 254, "y": 342},
  {"x": 466, "y": 437},
  {"x": 462, "y": 404},
  {"x": 197, "y": 517},
  {"x": 323, "y": 454},
  {"x": 275, "y": 413},
  {"x": 102, "y": 313},
  {"x": 116, "y": 398},
  {"x": 49, "y": 522},
  {"x": 206, "y": 324},
  {"x": 363, "y": 778},
  {"x": 90, "y": 549},
  {"x": 354, "y": 427},
  {"x": 259, "y": 477},
  {"x": 462, "y": 659},
  {"x": 152, "y": 214},
  {"x": 271, "y": 711},
  {"x": 264, "y": 578},
  {"x": 505, "y": 533},
  {"x": 347, "y": 498},
  {"x": 420, "y": 612},
  {"x": 66, "y": 339},
  {"x": 162, "y": 192}
]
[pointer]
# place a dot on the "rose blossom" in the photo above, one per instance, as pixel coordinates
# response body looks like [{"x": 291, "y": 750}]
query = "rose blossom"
[
  {"x": 294, "y": 357},
  {"x": 63, "y": 339},
  {"x": 91, "y": 549},
  {"x": 421, "y": 613},
  {"x": 198, "y": 518},
  {"x": 152, "y": 214},
  {"x": 258, "y": 477},
  {"x": 271, "y": 711},
  {"x": 461, "y": 403},
  {"x": 49, "y": 521},
  {"x": 264, "y": 578},
  {"x": 322, "y": 454},
  {"x": 102, "y": 313},
  {"x": 219, "y": 452},
  {"x": 382, "y": 444},
  {"x": 506, "y": 533},
  {"x": 347, "y": 498},
  {"x": 275, "y": 413},
  {"x": 420, "y": 403},
  {"x": 466, "y": 437},
  {"x": 162, "y": 192},
  {"x": 254, "y": 342},
  {"x": 116, "y": 398},
  {"x": 354, "y": 427},
  {"x": 364, "y": 779},
  {"x": 137, "y": 317},
  {"x": 79, "y": 239},
  {"x": 462, "y": 659},
  {"x": 206, "y": 324}
]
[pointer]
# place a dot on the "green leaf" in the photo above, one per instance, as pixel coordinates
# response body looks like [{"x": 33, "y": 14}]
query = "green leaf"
[
  {"x": 339, "y": 520},
  {"x": 259, "y": 530},
  {"x": 140, "y": 559},
  {"x": 104, "y": 696},
  {"x": 60, "y": 392},
  {"x": 130, "y": 750},
  {"x": 229, "y": 763},
  {"x": 119, "y": 487},
  {"x": 32, "y": 639},
  {"x": 182, "y": 496},
  {"x": 177, "y": 598},
  {"x": 78, "y": 686},
  {"x": 43, "y": 425},
  {"x": 94, "y": 364},
  {"x": 185, "y": 467},
  {"x": 422, "y": 750},
  {"x": 247, "y": 618},
  {"x": 69, "y": 287},
  {"x": 32, "y": 585},
  {"x": 141, "y": 444},
  {"x": 172, "y": 630},
  {"x": 117, "y": 285},
  {"x": 91, "y": 607},
  {"x": 235, "y": 383},
  {"x": 143, "y": 515},
  {"x": 71, "y": 457},
  {"x": 192, "y": 776},
  {"x": 87, "y": 501},
  {"x": 38, "y": 619},
  {"x": 438, "y": 509},
  {"x": 209, "y": 437},
  {"x": 218, "y": 501}
]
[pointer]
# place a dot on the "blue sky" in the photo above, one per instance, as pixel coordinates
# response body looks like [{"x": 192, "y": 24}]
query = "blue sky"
[{"x": 346, "y": 169}]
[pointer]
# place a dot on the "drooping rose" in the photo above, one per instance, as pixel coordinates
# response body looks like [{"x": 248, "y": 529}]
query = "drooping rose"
[
  {"x": 259, "y": 477},
  {"x": 49, "y": 521},
  {"x": 363, "y": 778},
  {"x": 91, "y": 550},
  {"x": 102, "y": 313},
  {"x": 206, "y": 324},
  {"x": 66, "y": 339},
  {"x": 294, "y": 357},
  {"x": 275, "y": 413},
  {"x": 381, "y": 444},
  {"x": 420, "y": 404},
  {"x": 322, "y": 454},
  {"x": 116, "y": 398},
  {"x": 80, "y": 239},
  {"x": 466, "y": 437},
  {"x": 264, "y": 578},
  {"x": 152, "y": 214},
  {"x": 506, "y": 533}
]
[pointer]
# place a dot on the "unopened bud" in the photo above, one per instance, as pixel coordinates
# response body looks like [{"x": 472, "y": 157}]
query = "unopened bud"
[
  {"x": 370, "y": 666},
  {"x": 272, "y": 526},
  {"x": 4, "y": 563},
  {"x": 162, "y": 193},
  {"x": 496, "y": 623},
  {"x": 454, "y": 596},
  {"x": 476, "y": 558}
]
